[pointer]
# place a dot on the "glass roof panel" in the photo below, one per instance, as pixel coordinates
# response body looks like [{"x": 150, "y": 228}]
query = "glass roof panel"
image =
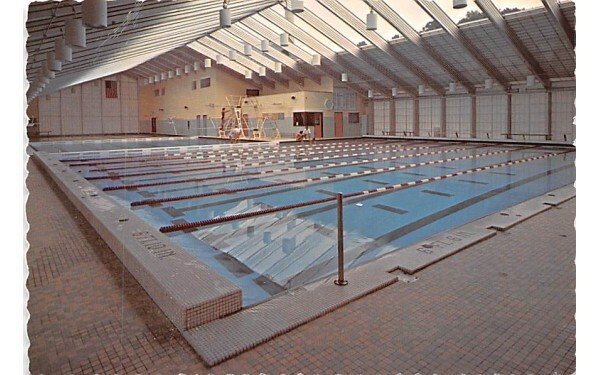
[
  {"x": 278, "y": 30},
  {"x": 334, "y": 21},
  {"x": 306, "y": 27},
  {"x": 411, "y": 12},
  {"x": 360, "y": 9}
]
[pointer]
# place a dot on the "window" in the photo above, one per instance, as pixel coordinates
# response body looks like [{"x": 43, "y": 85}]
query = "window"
[
  {"x": 353, "y": 118},
  {"x": 252, "y": 92},
  {"x": 307, "y": 118},
  {"x": 111, "y": 89},
  {"x": 204, "y": 82},
  {"x": 156, "y": 92},
  {"x": 194, "y": 85},
  {"x": 344, "y": 100}
]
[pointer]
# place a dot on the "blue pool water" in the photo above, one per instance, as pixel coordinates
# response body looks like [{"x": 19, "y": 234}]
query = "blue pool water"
[
  {"x": 265, "y": 254},
  {"x": 120, "y": 144}
]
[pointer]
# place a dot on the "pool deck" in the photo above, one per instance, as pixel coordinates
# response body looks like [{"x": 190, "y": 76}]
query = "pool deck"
[{"x": 485, "y": 309}]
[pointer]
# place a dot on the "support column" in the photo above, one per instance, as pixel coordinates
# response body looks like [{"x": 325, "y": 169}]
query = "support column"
[
  {"x": 393, "y": 117},
  {"x": 443, "y": 119},
  {"x": 473, "y": 116},
  {"x": 549, "y": 135},
  {"x": 416, "y": 117},
  {"x": 509, "y": 117}
]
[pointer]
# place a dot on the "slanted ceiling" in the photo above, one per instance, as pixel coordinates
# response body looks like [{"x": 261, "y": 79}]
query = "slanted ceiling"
[
  {"x": 153, "y": 37},
  {"x": 137, "y": 31}
]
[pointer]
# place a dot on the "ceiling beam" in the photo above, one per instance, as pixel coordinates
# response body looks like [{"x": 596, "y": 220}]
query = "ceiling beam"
[
  {"x": 435, "y": 12},
  {"x": 342, "y": 41},
  {"x": 359, "y": 26},
  {"x": 302, "y": 70},
  {"x": 241, "y": 69},
  {"x": 499, "y": 22},
  {"x": 241, "y": 59},
  {"x": 337, "y": 62},
  {"x": 257, "y": 57},
  {"x": 327, "y": 67},
  {"x": 412, "y": 36},
  {"x": 568, "y": 33}
]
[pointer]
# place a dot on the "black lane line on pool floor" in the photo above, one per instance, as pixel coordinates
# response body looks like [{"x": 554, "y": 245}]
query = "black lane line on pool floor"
[
  {"x": 318, "y": 180},
  {"x": 438, "y": 193},
  {"x": 245, "y": 215},
  {"x": 267, "y": 172},
  {"x": 393, "y": 235},
  {"x": 409, "y": 228}
]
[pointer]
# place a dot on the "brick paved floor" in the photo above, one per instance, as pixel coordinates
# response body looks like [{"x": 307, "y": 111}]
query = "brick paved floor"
[{"x": 506, "y": 305}]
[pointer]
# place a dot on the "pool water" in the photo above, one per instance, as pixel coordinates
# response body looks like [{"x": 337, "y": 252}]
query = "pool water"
[{"x": 267, "y": 253}]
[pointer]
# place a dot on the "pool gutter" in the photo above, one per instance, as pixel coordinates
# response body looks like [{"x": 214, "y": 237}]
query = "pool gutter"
[{"x": 189, "y": 292}]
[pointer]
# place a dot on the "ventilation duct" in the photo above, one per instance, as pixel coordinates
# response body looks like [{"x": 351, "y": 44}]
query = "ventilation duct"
[
  {"x": 94, "y": 13},
  {"x": 452, "y": 87},
  {"x": 372, "y": 21},
  {"x": 264, "y": 45},
  {"x": 75, "y": 33},
  {"x": 52, "y": 63},
  {"x": 316, "y": 60},
  {"x": 63, "y": 52},
  {"x": 284, "y": 40},
  {"x": 225, "y": 17},
  {"x": 247, "y": 49},
  {"x": 459, "y": 4},
  {"x": 297, "y": 6},
  {"x": 530, "y": 81}
]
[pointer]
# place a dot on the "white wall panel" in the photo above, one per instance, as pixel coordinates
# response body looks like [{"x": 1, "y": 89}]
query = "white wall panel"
[
  {"x": 492, "y": 116},
  {"x": 458, "y": 116},
  {"x": 429, "y": 117},
  {"x": 563, "y": 113},
  {"x": 382, "y": 117},
  {"x": 404, "y": 116},
  {"x": 529, "y": 116}
]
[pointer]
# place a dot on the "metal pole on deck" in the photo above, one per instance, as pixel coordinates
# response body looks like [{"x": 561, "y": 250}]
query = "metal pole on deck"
[{"x": 340, "y": 219}]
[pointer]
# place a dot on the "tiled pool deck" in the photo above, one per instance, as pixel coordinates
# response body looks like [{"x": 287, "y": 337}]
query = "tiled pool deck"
[{"x": 505, "y": 305}]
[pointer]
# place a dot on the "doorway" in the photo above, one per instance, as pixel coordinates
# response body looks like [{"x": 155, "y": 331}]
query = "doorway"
[
  {"x": 338, "y": 120},
  {"x": 153, "y": 124}
]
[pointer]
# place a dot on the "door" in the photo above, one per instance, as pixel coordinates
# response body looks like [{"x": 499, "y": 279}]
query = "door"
[
  {"x": 338, "y": 121},
  {"x": 318, "y": 124},
  {"x": 204, "y": 124},
  {"x": 153, "y": 124}
]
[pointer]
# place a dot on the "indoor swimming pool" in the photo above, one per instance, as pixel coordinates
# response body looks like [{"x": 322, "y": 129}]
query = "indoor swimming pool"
[{"x": 264, "y": 215}]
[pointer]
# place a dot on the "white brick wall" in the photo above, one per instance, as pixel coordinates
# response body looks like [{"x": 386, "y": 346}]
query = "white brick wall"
[{"x": 84, "y": 109}]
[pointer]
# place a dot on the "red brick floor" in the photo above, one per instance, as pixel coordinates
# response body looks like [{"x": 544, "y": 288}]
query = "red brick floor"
[{"x": 504, "y": 306}]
